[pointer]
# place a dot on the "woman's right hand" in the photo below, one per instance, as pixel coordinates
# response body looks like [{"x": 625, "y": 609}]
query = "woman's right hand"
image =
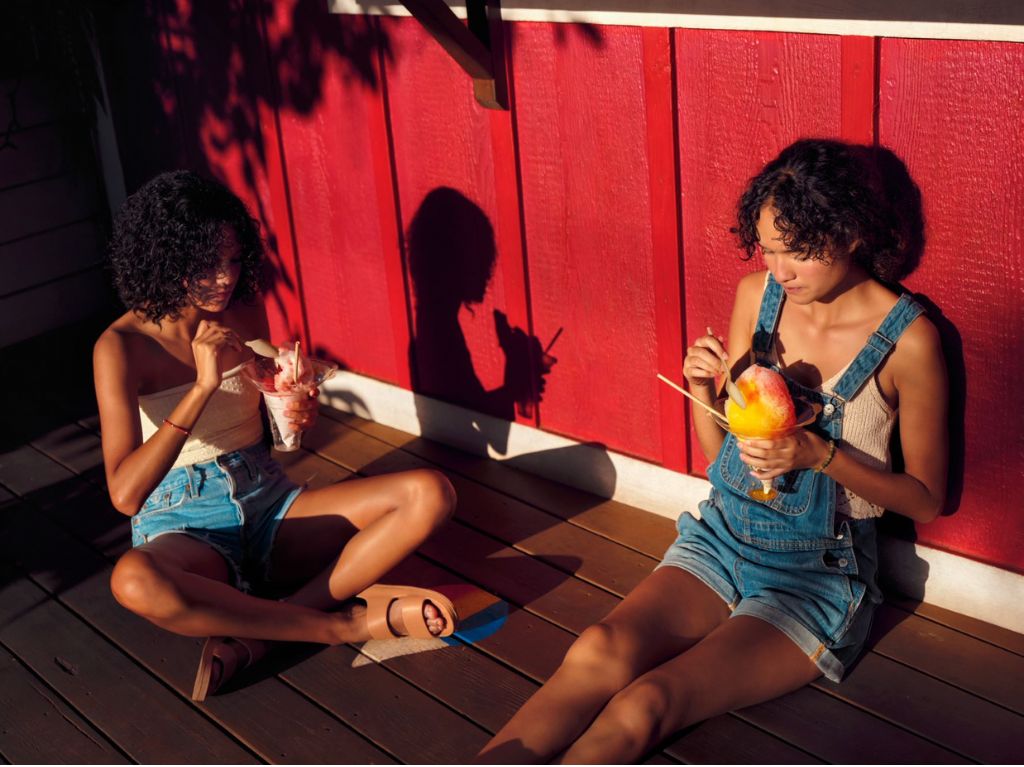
[
  {"x": 208, "y": 347},
  {"x": 702, "y": 363}
]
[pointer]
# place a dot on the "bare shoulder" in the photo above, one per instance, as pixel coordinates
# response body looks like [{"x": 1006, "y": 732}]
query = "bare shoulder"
[
  {"x": 124, "y": 349},
  {"x": 749, "y": 290},
  {"x": 117, "y": 341},
  {"x": 918, "y": 351}
]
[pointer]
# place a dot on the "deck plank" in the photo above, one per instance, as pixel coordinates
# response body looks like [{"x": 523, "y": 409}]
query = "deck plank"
[
  {"x": 979, "y": 730},
  {"x": 986, "y": 670},
  {"x": 105, "y": 686},
  {"x": 995, "y": 635},
  {"x": 40, "y": 728},
  {"x": 75, "y": 449},
  {"x": 731, "y": 740},
  {"x": 842, "y": 734},
  {"x": 368, "y": 696}
]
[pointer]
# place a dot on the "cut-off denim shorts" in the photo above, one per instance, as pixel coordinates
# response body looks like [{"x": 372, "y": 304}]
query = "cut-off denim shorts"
[{"x": 233, "y": 503}]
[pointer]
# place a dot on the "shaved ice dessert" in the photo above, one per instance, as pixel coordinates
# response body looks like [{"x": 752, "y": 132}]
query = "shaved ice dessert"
[
  {"x": 769, "y": 412},
  {"x": 285, "y": 375},
  {"x": 294, "y": 370}
]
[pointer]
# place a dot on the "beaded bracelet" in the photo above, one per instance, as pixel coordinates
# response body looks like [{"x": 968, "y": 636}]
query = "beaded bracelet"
[
  {"x": 182, "y": 429},
  {"x": 831, "y": 455}
]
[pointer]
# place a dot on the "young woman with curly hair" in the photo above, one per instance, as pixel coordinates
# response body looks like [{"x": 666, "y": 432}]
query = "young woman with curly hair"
[
  {"x": 756, "y": 598},
  {"x": 212, "y": 513}
]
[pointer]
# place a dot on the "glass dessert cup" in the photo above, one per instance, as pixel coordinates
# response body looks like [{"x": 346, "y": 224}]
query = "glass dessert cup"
[
  {"x": 261, "y": 371},
  {"x": 806, "y": 414}
]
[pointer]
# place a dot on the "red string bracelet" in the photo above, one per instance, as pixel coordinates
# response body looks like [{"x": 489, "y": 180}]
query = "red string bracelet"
[{"x": 182, "y": 429}]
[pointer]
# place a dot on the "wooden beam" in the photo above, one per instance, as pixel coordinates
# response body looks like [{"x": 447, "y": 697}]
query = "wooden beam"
[{"x": 475, "y": 48}]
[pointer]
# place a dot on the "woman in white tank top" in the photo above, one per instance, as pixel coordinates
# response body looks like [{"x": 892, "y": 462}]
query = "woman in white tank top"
[{"x": 212, "y": 513}]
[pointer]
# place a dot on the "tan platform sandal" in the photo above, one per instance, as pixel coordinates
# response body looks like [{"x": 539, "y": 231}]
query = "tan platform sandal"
[
  {"x": 243, "y": 652},
  {"x": 410, "y": 599}
]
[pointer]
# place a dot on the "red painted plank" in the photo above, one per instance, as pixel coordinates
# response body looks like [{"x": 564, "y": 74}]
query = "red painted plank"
[
  {"x": 859, "y": 89},
  {"x": 330, "y": 102},
  {"x": 285, "y": 307},
  {"x": 665, "y": 234},
  {"x": 587, "y": 204},
  {"x": 953, "y": 111},
  {"x": 391, "y": 236},
  {"x": 509, "y": 224},
  {"x": 743, "y": 96},
  {"x": 463, "y": 251}
]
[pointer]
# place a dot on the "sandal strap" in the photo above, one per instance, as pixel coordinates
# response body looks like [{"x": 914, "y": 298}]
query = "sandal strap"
[{"x": 377, "y": 619}]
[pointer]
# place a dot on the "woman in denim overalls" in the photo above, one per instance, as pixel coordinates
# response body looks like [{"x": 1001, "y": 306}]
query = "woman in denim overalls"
[{"x": 757, "y": 598}]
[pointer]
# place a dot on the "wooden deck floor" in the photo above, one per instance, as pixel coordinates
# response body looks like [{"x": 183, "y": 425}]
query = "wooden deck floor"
[{"x": 82, "y": 680}]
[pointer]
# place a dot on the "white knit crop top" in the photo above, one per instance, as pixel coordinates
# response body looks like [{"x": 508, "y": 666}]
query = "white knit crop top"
[{"x": 230, "y": 421}]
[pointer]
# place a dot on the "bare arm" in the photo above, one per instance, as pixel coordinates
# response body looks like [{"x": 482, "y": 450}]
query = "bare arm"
[
  {"x": 920, "y": 377},
  {"x": 133, "y": 467},
  {"x": 918, "y": 492}
]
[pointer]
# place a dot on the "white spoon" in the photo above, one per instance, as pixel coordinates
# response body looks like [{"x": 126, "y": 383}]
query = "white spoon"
[{"x": 262, "y": 348}]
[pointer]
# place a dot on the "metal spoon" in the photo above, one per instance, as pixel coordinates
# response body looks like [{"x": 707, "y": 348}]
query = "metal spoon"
[{"x": 731, "y": 389}]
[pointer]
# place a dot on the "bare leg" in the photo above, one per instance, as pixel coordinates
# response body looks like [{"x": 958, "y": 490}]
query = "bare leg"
[
  {"x": 743, "y": 662},
  {"x": 180, "y": 584},
  {"x": 667, "y": 613},
  {"x": 384, "y": 519}
]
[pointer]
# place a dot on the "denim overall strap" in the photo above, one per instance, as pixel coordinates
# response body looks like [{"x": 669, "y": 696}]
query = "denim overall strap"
[
  {"x": 767, "y": 321},
  {"x": 877, "y": 348}
]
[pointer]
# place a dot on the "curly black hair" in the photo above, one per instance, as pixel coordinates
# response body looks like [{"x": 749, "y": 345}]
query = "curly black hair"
[
  {"x": 831, "y": 198},
  {"x": 169, "y": 235}
]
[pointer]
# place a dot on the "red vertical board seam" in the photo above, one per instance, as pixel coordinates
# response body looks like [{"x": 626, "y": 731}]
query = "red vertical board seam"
[
  {"x": 665, "y": 202},
  {"x": 281, "y": 182},
  {"x": 876, "y": 88},
  {"x": 859, "y": 78},
  {"x": 389, "y": 205},
  {"x": 505, "y": 148}
]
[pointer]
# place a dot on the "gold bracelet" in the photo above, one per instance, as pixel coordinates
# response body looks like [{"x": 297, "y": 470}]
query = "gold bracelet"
[{"x": 831, "y": 455}]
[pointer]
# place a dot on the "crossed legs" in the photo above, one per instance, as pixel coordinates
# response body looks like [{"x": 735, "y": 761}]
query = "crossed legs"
[
  {"x": 339, "y": 539},
  {"x": 666, "y": 657}
]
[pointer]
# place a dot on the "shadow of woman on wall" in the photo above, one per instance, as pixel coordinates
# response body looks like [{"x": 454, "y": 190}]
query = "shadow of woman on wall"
[{"x": 451, "y": 258}]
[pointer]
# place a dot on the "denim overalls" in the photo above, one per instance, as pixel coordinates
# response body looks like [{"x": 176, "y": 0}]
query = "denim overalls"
[{"x": 785, "y": 560}]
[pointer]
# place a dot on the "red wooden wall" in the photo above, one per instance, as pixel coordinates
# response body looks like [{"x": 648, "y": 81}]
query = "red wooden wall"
[{"x": 425, "y": 241}]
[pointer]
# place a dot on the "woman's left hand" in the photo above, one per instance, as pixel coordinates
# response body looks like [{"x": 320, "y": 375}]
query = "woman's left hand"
[
  {"x": 770, "y": 458},
  {"x": 302, "y": 413}
]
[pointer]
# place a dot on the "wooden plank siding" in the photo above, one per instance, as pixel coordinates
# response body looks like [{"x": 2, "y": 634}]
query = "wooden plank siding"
[
  {"x": 52, "y": 212},
  {"x": 604, "y": 198}
]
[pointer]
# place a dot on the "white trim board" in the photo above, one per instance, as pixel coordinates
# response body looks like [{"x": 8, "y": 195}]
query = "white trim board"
[
  {"x": 935, "y": 19},
  {"x": 956, "y": 583}
]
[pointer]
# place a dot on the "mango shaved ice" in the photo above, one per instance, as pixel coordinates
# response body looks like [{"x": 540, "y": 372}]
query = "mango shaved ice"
[{"x": 769, "y": 412}]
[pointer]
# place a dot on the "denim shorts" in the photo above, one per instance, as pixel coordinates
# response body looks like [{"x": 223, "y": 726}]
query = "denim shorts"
[
  {"x": 233, "y": 503},
  {"x": 824, "y": 603}
]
